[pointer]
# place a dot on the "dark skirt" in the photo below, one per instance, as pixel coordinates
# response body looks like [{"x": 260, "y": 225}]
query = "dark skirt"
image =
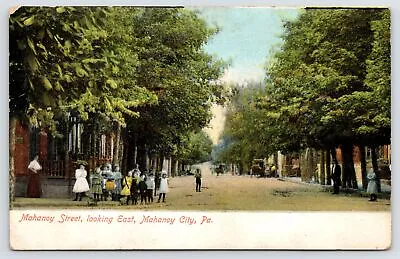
[{"x": 34, "y": 190}]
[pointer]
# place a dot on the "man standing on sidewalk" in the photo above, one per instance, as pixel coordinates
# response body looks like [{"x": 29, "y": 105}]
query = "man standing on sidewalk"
[{"x": 337, "y": 172}]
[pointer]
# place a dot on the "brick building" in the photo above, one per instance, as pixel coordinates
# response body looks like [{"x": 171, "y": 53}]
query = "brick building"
[{"x": 57, "y": 175}]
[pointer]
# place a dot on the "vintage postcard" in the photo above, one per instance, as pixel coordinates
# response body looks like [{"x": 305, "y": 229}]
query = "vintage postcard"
[{"x": 158, "y": 128}]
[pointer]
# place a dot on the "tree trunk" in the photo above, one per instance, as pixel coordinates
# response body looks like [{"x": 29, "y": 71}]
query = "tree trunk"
[
  {"x": 309, "y": 169},
  {"x": 374, "y": 157},
  {"x": 353, "y": 177},
  {"x": 125, "y": 153},
  {"x": 66, "y": 162},
  {"x": 121, "y": 153},
  {"x": 135, "y": 152},
  {"x": 86, "y": 143},
  {"x": 130, "y": 152},
  {"x": 349, "y": 173},
  {"x": 315, "y": 161},
  {"x": 275, "y": 158},
  {"x": 174, "y": 167},
  {"x": 161, "y": 162},
  {"x": 303, "y": 164},
  {"x": 155, "y": 162},
  {"x": 116, "y": 154},
  {"x": 345, "y": 167},
  {"x": 322, "y": 168},
  {"x": 141, "y": 157},
  {"x": 94, "y": 141},
  {"x": 182, "y": 166},
  {"x": 363, "y": 167},
  {"x": 12, "y": 129},
  {"x": 287, "y": 167},
  {"x": 92, "y": 144},
  {"x": 333, "y": 154},
  {"x": 169, "y": 166},
  {"x": 328, "y": 167},
  {"x": 146, "y": 157}
]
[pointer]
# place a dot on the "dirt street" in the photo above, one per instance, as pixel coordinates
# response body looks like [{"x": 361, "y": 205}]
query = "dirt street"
[{"x": 228, "y": 192}]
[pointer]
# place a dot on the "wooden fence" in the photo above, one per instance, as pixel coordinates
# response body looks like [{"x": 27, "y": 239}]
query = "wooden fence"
[{"x": 57, "y": 169}]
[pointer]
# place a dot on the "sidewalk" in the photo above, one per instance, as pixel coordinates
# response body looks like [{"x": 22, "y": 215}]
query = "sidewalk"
[
  {"x": 49, "y": 203},
  {"x": 386, "y": 188}
]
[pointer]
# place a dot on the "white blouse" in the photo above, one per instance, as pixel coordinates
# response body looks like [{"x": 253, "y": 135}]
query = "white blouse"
[{"x": 34, "y": 165}]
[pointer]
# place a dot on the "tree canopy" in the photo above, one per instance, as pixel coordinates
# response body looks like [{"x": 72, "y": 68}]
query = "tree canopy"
[
  {"x": 196, "y": 148},
  {"x": 74, "y": 59},
  {"x": 140, "y": 68},
  {"x": 328, "y": 85},
  {"x": 184, "y": 77}
]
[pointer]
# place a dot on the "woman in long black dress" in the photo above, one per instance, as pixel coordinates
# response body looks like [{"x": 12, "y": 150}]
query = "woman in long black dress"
[{"x": 34, "y": 189}]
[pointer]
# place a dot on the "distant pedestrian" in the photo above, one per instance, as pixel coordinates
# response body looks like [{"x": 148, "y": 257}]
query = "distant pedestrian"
[
  {"x": 34, "y": 189},
  {"x": 163, "y": 186},
  {"x": 150, "y": 183},
  {"x": 337, "y": 172},
  {"x": 372, "y": 187},
  {"x": 197, "y": 175},
  {"x": 219, "y": 170},
  {"x": 81, "y": 185},
  {"x": 273, "y": 171}
]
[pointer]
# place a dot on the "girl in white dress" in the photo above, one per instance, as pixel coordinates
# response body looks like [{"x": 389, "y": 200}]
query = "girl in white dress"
[
  {"x": 163, "y": 186},
  {"x": 81, "y": 185}
]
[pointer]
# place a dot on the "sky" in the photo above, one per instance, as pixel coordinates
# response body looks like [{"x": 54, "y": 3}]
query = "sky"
[{"x": 246, "y": 40}]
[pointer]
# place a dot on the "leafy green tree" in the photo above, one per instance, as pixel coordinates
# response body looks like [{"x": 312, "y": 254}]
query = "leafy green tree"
[
  {"x": 333, "y": 105},
  {"x": 243, "y": 138},
  {"x": 72, "y": 60},
  {"x": 174, "y": 65},
  {"x": 40, "y": 43},
  {"x": 196, "y": 149},
  {"x": 323, "y": 89}
]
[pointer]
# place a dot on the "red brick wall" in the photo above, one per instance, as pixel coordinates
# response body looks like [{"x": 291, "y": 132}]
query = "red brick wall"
[
  {"x": 21, "y": 155},
  {"x": 356, "y": 155}
]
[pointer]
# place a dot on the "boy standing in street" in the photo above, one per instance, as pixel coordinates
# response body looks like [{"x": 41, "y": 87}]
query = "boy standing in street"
[{"x": 197, "y": 175}]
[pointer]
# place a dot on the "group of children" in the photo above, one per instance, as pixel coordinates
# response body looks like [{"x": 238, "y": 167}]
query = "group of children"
[{"x": 111, "y": 185}]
